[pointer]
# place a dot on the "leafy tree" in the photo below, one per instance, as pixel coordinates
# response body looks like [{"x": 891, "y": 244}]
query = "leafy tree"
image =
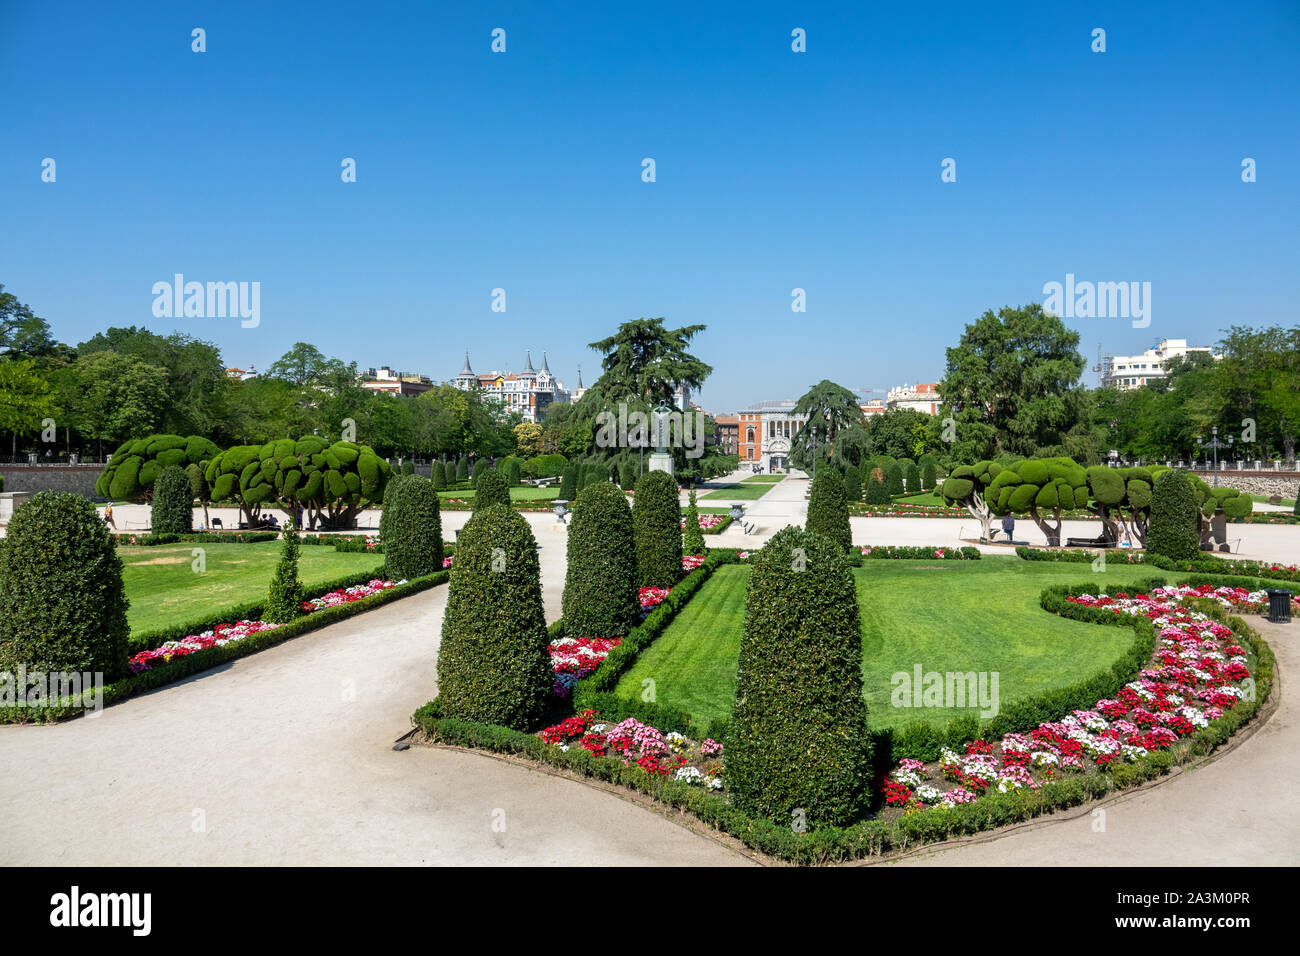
[
  {"x": 828, "y": 512},
  {"x": 117, "y": 396},
  {"x": 877, "y": 492},
  {"x": 799, "y": 736},
  {"x": 26, "y": 399},
  {"x": 494, "y": 662},
  {"x": 411, "y": 528},
  {"x": 830, "y": 409},
  {"x": 644, "y": 360},
  {"x": 173, "y": 503},
  {"x": 656, "y": 519},
  {"x": 285, "y": 597},
  {"x": 62, "y": 603},
  {"x": 911, "y": 476},
  {"x": 893, "y": 478},
  {"x": 1260, "y": 376},
  {"x": 528, "y": 439},
  {"x": 600, "y": 583},
  {"x": 1008, "y": 383}
]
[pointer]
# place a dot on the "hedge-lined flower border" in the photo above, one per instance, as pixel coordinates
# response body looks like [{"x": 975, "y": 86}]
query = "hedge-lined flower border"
[
  {"x": 1208, "y": 565},
  {"x": 876, "y": 837},
  {"x": 182, "y": 667}
]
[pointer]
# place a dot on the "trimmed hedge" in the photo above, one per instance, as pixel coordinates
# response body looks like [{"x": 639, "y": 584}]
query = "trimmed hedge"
[
  {"x": 210, "y": 537},
  {"x": 569, "y": 483},
  {"x": 600, "y": 582},
  {"x": 852, "y": 483},
  {"x": 828, "y": 511},
  {"x": 172, "y": 510},
  {"x": 62, "y": 603},
  {"x": 965, "y": 553},
  {"x": 877, "y": 492},
  {"x": 410, "y": 529},
  {"x": 490, "y": 489},
  {"x": 494, "y": 662},
  {"x": 657, "y": 527},
  {"x": 1174, "y": 529},
  {"x": 799, "y": 742}
]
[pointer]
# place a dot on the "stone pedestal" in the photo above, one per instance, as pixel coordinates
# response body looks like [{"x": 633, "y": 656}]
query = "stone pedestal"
[
  {"x": 9, "y": 503},
  {"x": 661, "y": 461}
]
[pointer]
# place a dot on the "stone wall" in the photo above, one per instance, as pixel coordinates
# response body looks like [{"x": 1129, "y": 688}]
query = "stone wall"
[
  {"x": 1285, "y": 484},
  {"x": 76, "y": 478}
]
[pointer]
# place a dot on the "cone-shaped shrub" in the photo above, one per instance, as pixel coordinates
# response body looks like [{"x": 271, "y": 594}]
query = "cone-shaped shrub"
[
  {"x": 513, "y": 473},
  {"x": 449, "y": 473},
  {"x": 284, "y": 599},
  {"x": 492, "y": 490},
  {"x": 928, "y": 471},
  {"x": 494, "y": 662},
  {"x": 627, "y": 476},
  {"x": 1296, "y": 510},
  {"x": 894, "y": 478},
  {"x": 462, "y": 469},
  {"x": 877, "y": 492},
  {"x": 569, "y": 483},
  {"x": 828, "y": 512},
  {"x": 62, "y": 604},
  {"x": 600, "y": 589},
  {"x": 852, "y": 483},
  {"x": 437, "y": 476},
  {"x": 480, "y": 469},
  {"x": 693, "y": 537},
  {"x": 657, "y": 521},
  {"x": 799, "y": 737},
  {"x": 172, "y": 510},
  {"x": 911, "y": 476},
  {"x": 411, "y": 528},
  {"x": 1174, "y": 528},
  {"x": 408, "y": 467}
]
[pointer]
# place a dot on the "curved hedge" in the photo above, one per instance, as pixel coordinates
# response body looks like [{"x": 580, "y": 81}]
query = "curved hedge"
[
  {"x": 172, "y": 510},
  {"x": 1173, "y": 529},
  {"x": 799, "y": 740},
  {"x": 411, "y": 528},
  {"x": 62, "y": 604},
  {"x": 600, "y": 583},
  {"x": 494, "y": 662},
  {"x": 657, "y": 528},
  {"x": 828, "y": 512}
]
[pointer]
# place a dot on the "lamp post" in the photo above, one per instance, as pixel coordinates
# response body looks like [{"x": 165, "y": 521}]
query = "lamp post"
[{"x": 1214, "y": 445}]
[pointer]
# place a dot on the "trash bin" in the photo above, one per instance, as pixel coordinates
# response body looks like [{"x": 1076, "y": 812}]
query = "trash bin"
[{"x": 1279, "y": 605}]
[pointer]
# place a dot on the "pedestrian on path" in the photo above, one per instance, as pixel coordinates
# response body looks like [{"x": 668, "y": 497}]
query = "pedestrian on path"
[
  {"x": 108, "y": 515},
  {"x": 1009, "y": 527}
]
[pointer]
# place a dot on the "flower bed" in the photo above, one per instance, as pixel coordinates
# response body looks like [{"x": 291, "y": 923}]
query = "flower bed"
[
  {"x": 573, "y": 658},
  {"x": 1195, "y": 675},
  {"x": 670, "y": 754},
  {"x": 223, "y": 634},
  {"x": 929, "y": 554},
  {"x": 707, "y": 522},
  {"x": 691, "y": 561}
]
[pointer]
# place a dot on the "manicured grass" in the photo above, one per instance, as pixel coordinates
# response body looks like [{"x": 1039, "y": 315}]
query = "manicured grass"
[
  {"x": 164, "y": 589},
  {"x": 1263, "y": 500},
  {"x": 747, "y": 490},
  {"x": 708, "y": 511},
  {"x": 944, "y": 615},
  {"x": 929, "y": 499},
  {"x": 762, "y": 480},
  {"x": 521, "y": 493}
]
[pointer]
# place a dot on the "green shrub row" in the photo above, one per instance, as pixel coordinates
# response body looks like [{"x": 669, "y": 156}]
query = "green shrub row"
[
  {"x": 181, "y": 667},
  {"x": 872, "y": 837},
  {"x": 208, "y": 537},
  {"x": 965, "y": 553},
  {"x": 1205, "y": 564}
]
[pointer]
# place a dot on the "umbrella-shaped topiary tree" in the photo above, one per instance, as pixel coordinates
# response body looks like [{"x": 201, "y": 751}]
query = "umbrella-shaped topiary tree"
[
  {"x": 1039, "y": 488},
  {"x": 133, "y": 468},
  {"x": 966, "y": 485}
]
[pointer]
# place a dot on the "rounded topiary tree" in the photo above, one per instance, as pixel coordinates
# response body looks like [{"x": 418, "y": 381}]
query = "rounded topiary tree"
[
  {"x": 692, "y": 536},
  {"x": 627, "y": 476},
  {"x": 172, "y": 510},
  {"x": 437, "y": 477},
  {"x": 798, "y": 735},
  {"x": 62, "y": 604},
  {"x": 449, "y": 474},
  {"x": 600, "y": 583},
  {"x": 132, "y": 470},
  {"x": 911, "y": 476},
  {"x": 569, "y": 483},
  {"x": 1173, "y": 530},
  {"x": 828, "y": 512},
  {"x": 514, "y": 477},
  {"x": 462, "y": 469},
  {"x": 492, "y": 490},
  {"x": 284, "y": 598},
  {"x": 411, "y": 528},
  {"x": 494, "y": 662},
  {"x": 852, "y": 483},
  {"x": 928, "y": 471},
  {"x": 893, "y": 478},
  {"x": 480, "y": 469},
  {"x": 657, "y": 524}
]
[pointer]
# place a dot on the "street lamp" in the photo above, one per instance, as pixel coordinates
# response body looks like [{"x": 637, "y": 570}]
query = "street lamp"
[{"x": 1214, "y": 445}]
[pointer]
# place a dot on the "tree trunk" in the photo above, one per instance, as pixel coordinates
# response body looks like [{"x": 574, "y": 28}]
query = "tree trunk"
[
  {"x": 1109, "y": 523},
  {"x": 979, "y": 510},
  {"x": 1053, "y": 534}
]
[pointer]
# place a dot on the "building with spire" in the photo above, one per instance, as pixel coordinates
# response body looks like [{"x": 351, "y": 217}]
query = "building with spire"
[{"x": 527, "y": 392}]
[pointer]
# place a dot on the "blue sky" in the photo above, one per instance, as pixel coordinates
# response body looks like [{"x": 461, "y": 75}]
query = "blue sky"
[{"x": 775, "y": 170}]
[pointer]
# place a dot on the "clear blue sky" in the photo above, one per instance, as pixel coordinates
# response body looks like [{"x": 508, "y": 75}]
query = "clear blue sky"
[{"x": 775, "y": 170}]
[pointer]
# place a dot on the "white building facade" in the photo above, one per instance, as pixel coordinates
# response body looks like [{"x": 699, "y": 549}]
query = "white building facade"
[
  {"x": 1127, "y": 372},
  {"x": 765, "y": 433},
  {"x": 920, "y": 398},
  {"x": 527, "y": 392}
]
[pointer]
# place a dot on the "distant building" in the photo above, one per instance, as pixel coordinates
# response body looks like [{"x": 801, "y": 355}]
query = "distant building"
[
  {"x": 874, "y": 407},
  {"x": 384, "y": 379},
  {"x": 1127, "y": 372},
  {"x": 728, "y": 434},
  {"x": 920, "y": 398},
  {"x": 765, "y": 431},
  {"x": 242, "y": 374},
  {"x": 528, "y": 392}
]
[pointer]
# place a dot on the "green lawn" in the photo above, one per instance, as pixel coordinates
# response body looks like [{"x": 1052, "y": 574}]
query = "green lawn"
[
  {"x": 747, "y": 490},
  {"x": 164, "y": 589},
  {"x": 1263, "y": 500},
  {"x": 929, "y": 500},
  {"x": 944, "y": 615},
  {"x": 762, "y": 480},
  {"x": 521, "y": 493}
]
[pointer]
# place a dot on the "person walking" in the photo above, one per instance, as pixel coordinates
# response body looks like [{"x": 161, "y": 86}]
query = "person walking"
[
  {"x": 1009, "y": 527},
  {"x": 108, "y": 515}
]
